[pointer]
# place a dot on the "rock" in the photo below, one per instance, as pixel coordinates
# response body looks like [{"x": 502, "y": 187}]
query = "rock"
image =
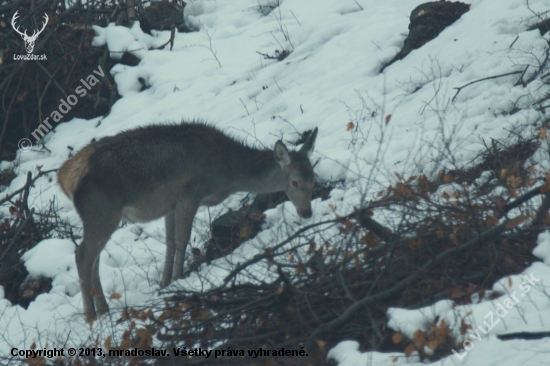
[
  {"x": 427, "y": 21},
  {"x": 31, "y": 288},
  {"x": 161, "y": 15}
]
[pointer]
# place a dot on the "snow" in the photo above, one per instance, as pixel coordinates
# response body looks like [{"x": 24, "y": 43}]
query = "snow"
[
  {"x": 62, "y": 270},
  {"x": 542, "y": 251},
  {"x": 347, "y": 354},
  {"x": 331, "y": 78}
]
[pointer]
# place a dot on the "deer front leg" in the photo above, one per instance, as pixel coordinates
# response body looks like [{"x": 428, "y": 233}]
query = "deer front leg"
[
  {"x": 169, "y": 222},
  {"x": 186, "y": 208}
]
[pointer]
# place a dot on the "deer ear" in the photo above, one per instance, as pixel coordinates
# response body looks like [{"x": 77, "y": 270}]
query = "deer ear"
[
  {"x": 281, "y": 154},
  {"x": 308, "y": 146}
]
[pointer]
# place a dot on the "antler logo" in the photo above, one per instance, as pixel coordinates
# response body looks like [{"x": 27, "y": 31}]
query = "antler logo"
[{"x": 29, "y": 40}]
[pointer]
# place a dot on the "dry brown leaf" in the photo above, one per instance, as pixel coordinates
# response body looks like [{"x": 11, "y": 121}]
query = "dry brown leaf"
[
  {"x": 200, "y": 314},
  {"x": 115, "y": 296},
  {"x": 183, "y": 306},
  {"x": 491, "y": 221},
  {"x": 543, "y": 135},
  {"x": 433, "y": 344},
  {"x": 321, "y": 344},
  {"x": 442, "y": 332},
  {"x": 423, "y": 183},
  {"x": 419, "y": 338},
  {"x": 125, "y": 344},
  {"x": 544, "y": 189},
  {"x": 529, "y": 182},
  {"x": 457, "y": 292},
  {"x": 464, "y": 327},
  {"x": 107, "y": 343},
  {"x": 397, "y": 337},
  {"x": 409, "y": 350},
  {"x": 371, "y": 239},
  {"x": 38, "y": 361},
  {"x": 388, "y": 118},
  {"x": 447, "y": 178},
  {"x": 145, "y": 338},
  {"x": 454, "y": 239},
  {"x": 350, "y": 126},
  {"x": 516, "y": 221}
]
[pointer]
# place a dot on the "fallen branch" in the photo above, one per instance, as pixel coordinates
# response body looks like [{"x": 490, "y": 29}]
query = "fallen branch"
[{"x": 348, "y": 314}]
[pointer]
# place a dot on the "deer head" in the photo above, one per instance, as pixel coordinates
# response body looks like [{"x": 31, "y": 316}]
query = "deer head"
[
  {"x": 29, "y": 40},
  {"x": 298, "y": 172}
]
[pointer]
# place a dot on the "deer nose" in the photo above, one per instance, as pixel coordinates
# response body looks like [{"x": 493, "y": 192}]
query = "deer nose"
[{"x": 306, "y": 214}]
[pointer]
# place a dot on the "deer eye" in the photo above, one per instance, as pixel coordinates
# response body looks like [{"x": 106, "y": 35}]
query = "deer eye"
[{"x": 295, "y": 184}]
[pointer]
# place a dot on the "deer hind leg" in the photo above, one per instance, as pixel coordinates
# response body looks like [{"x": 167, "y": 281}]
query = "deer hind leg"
[
  {"x": 186, "y": 209},
  {"x": 170, "y": 224},
  {"x": 100, "y": 218},
  {"x": 100, "y": 302}
]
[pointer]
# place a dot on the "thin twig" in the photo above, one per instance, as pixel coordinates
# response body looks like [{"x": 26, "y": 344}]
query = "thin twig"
[
  {"x": 244, "y": 105},
  {"x": 520, "y": 80},
  {"x": 13, "y": 194},
  {"x": 295, "y": 17},
  {"x": 458, "y": 89},
  {"x": 514, "y": 41}
]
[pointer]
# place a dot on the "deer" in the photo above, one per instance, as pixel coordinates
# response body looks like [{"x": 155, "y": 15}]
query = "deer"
[
  {"x": 29, "y": 40},
  {"x": 170, "y": 170}
]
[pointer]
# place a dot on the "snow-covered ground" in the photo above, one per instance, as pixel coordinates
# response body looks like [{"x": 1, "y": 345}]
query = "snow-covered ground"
[{"x": 331, "y": 78}]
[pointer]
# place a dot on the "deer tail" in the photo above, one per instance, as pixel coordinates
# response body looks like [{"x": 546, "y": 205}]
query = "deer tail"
[{"x": 73, "y": 170}]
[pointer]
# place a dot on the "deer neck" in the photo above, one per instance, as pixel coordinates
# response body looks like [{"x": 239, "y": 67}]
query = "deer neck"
[{"x": 259, "y": 173}]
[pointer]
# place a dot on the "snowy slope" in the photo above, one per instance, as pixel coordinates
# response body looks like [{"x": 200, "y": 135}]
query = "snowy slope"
[{"x": 331, "y": 78}]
